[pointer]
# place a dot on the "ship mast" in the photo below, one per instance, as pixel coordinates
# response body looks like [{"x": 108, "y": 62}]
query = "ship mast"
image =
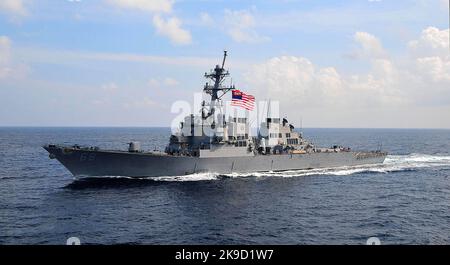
[{"x": 217, "y": 76}]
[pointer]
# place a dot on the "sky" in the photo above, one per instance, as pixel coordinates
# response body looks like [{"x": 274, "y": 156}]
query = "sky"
[{"x": 340, "y": 64}]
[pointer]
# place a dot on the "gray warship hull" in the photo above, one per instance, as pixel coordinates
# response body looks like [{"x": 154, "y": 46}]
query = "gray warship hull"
[{"x": 97, "y": 163}]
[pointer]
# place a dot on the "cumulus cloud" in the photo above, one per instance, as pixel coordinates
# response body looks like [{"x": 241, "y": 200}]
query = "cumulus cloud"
[
  {"x": 168, "y": 27},
  {"x": 431, "y": 65},
  {"x": 283, "y": 77},
  {"x": 240, "y": 26},
  {"x": 297, "y": 82},
  {"x": 171, "y": 28},
  {"x": 370, "y": 46},
  {"x": 432, "y": 42},
  {"x": 434, "y": 68},
  {"x": 392, "y": 84},
  {"x": 152, "y": 6}
]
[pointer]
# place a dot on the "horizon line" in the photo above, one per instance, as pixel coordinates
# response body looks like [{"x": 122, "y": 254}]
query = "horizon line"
[{"x": 168, "y": 127}]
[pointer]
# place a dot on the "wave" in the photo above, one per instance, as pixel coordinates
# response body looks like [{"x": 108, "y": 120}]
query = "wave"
[
  {"x": 190, "y": 177},
  {"x": 419, "y": 160},
  {"x": 393, "y": 163}
]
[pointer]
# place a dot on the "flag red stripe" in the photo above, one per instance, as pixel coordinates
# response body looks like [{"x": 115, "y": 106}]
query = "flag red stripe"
[
  {"x": 243, "y": 105},
  {"x": 239, "y": 103}
]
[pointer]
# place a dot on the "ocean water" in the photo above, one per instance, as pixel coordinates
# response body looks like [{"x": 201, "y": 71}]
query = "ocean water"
[{"x": 406, "y": 200}]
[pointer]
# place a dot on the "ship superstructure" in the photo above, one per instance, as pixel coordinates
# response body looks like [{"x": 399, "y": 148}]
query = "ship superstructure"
[{"x": 212, "y": 142}]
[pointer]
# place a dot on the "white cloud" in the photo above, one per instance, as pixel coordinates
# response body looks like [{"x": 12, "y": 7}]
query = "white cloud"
[
  {"x": 240, "y": 25},
  {"x": 432, "y": 42},
  {"x": 153, "y": 6},
  {"x": 14, "y": 8},
  {"x": 390, "y": 85},
  {"x": 295, "y": 81},
  {"x": 370, "y": 46},
  {"x": 434, "y": 68},
  {"x": 323, "y": 93},
  {"x": 171, "y": 28},
  {"x": 431, "y": 65}
]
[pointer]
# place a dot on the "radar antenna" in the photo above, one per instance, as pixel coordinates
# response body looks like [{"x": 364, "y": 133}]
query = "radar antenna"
[
  {"x": 224, "y": 58},
  {"x": 217, "y": 76}
]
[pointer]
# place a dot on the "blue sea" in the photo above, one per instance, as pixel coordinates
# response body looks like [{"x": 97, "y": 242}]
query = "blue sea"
[{"x": 406, "y": 200}]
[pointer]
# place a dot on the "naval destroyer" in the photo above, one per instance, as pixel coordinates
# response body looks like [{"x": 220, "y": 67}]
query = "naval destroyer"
[{"x": 210, "y": 142}]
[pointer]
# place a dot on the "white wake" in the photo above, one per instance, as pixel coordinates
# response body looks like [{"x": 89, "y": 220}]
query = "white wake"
[{"x": 393, "y": 163}]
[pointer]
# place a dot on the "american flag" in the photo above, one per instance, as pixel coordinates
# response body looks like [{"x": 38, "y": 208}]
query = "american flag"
[{"x": 240, "y": 99}]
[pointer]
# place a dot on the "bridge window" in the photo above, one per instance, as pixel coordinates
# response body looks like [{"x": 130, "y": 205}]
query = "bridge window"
[
  {"x": 274, "y": 135},
  {"x": 292, "y": 141}
]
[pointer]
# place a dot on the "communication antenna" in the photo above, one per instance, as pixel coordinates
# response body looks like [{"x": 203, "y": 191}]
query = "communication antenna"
[{"x": 224, "y": 57}]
